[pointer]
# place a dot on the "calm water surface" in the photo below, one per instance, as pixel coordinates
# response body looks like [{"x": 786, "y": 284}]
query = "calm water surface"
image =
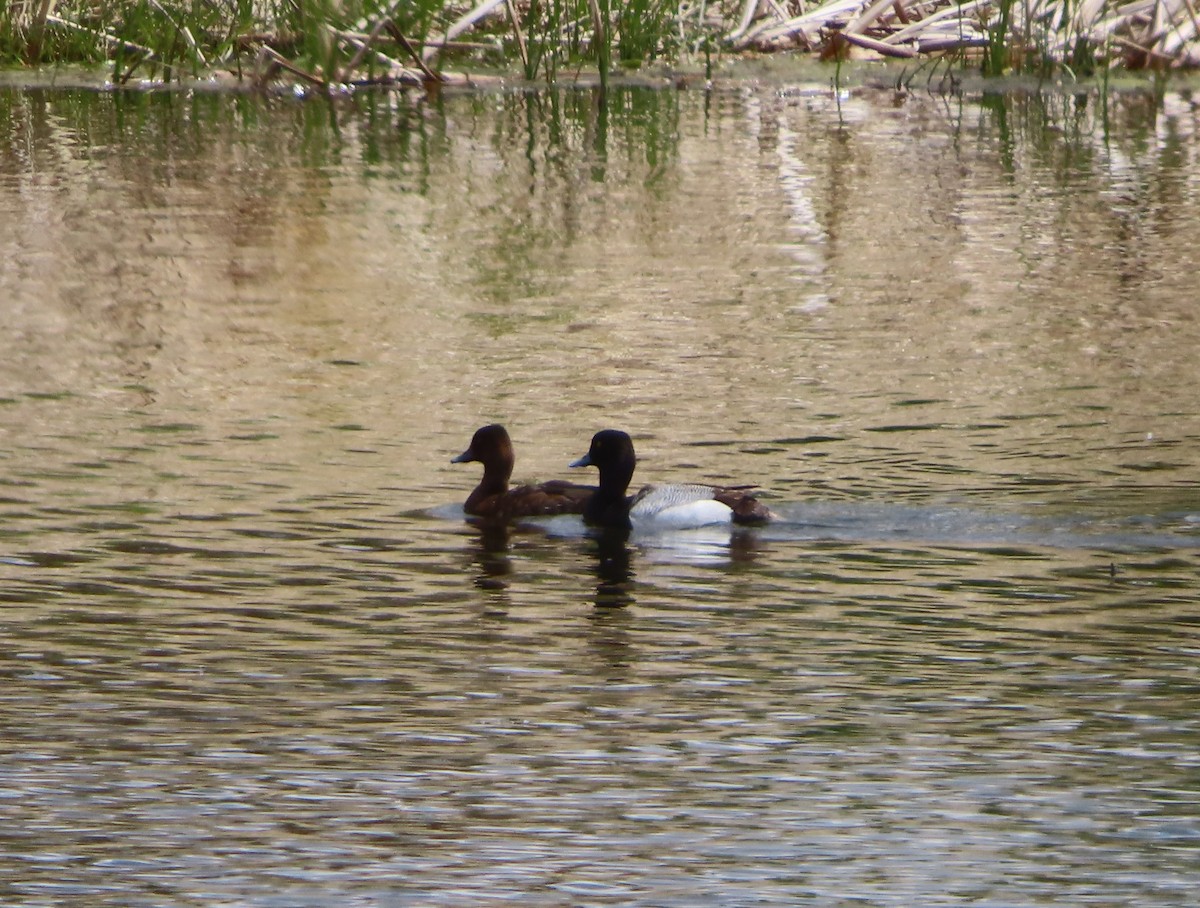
[{"x": 252, "y": 655}]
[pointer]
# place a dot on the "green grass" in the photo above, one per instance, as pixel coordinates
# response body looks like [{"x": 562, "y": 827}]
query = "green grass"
[
  {"x": 996, "y": 55},
  {"x": 643, "y": 30}
]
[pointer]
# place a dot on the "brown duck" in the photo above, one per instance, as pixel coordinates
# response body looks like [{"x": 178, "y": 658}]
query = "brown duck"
[{"x": 494, "y": 500}]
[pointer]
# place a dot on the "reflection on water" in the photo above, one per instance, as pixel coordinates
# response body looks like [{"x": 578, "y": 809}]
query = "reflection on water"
[
  {"x": 252, "y": 653},
  {"x": 614, "y": 573}
]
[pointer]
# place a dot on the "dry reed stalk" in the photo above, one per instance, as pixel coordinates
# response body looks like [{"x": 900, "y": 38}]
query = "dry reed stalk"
[
  {"x": 1147, "y": 52},
  {"x": 598, "y": 23},
  {"x": 516, "y": 24},
  {"x": 1157, "y": 30},
  {"x": 396, "y": 70},
  {"x": 1179, "y": 32},
  {"x": 1087, "y": 14},
  {"x": 460, "y": 25},
  {"x": 430, "y": 74},
  {"x": 364, "y": 44},
  {"x": 804, "y": 26},
  {"x": 749, "y": 9},
  {"x": 278, "y": 62},
  {"x": 936, "y": 44},
  {"x": 183, "y": 30},
  {"x": 37, "y": 30},
  {"x": 362, "y": 47},
  {"x": 1192, "y": 14},
  {"x": 887, "y": 50},
  {"x": 953, "y": 15},
  {"x": 867, "y": 17},
  {"x": 780, "y": 13}
]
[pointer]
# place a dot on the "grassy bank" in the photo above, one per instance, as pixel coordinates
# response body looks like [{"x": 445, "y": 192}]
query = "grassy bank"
[{"x": 327, "y": 43}]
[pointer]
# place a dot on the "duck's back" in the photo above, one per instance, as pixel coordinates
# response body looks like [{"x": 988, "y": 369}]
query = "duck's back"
[
  {"x": 543, "y": 500},
  {"x": 559, "y": 496}
]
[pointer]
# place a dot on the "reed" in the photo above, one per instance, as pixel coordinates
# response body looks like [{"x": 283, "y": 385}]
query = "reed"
[
  {"x": 996, "y": 52},
  {"x": 643, "y": 30},
  {"x": 997, "y": 35},
  {"x": 328, "y": 43}
]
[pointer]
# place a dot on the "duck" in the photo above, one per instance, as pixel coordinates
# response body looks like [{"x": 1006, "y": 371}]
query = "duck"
[
  {"x": 675, "y": 505},
  {"x": 493, "y": 500}
]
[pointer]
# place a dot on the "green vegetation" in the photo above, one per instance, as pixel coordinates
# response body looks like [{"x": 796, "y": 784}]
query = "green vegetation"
[
  {"x": 329, "y": 43},
  {"x": 995, "y": 53}
]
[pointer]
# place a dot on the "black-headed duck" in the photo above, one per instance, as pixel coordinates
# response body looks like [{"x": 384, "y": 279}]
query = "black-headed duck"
[
  {"x": 494, "y": 500},
  {"x": 674, "y": 505}
]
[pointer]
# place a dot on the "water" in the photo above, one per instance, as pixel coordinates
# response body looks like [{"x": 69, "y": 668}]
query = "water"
[{"x": 253, "y": 655}]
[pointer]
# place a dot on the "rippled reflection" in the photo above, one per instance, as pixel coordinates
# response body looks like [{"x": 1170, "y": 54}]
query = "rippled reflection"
[{"x": 252, "y": 652}]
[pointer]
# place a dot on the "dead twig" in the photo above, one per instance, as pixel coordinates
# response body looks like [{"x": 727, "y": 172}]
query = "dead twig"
[
  {"x": 430, "y": 74},
  {"x": 279, "y": 62},
  {"x": 516, "y": 24}
]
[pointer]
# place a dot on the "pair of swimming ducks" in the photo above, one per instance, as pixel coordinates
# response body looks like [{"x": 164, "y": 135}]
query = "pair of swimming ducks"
[{"x": 606, "y": 505}]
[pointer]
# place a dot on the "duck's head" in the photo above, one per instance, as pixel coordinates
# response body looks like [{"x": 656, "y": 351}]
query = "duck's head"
[
  {"x": 611, "y": 452},
  {"x": 491, "y": 447}
]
